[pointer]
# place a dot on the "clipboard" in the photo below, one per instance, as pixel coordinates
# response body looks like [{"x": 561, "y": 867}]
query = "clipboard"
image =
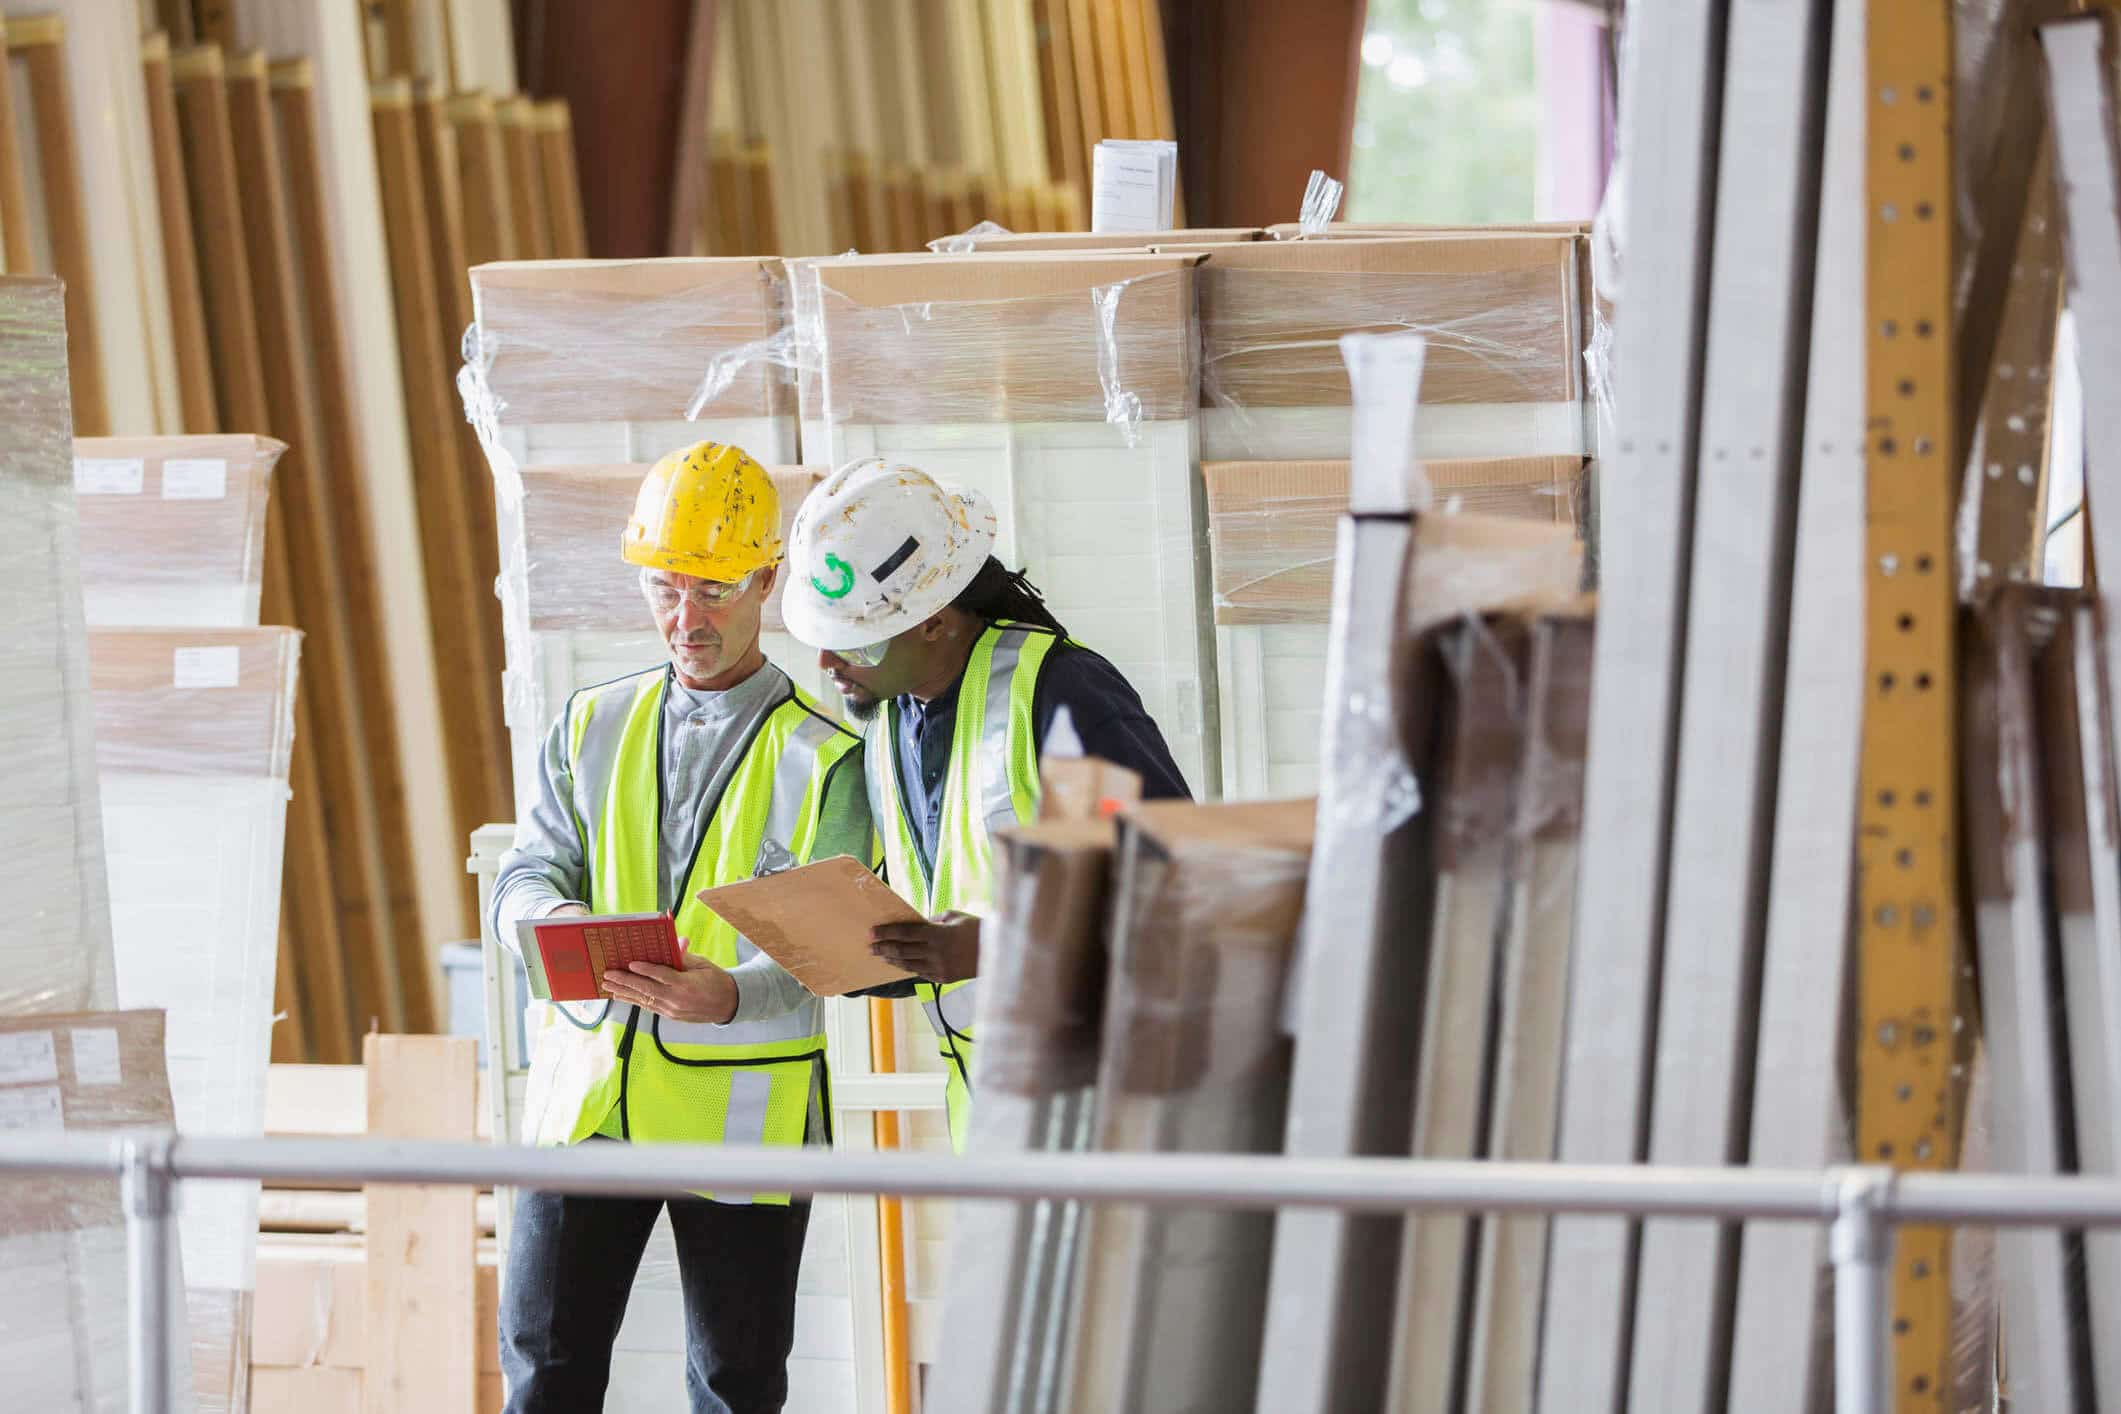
[{"x": 815, "y": 922}]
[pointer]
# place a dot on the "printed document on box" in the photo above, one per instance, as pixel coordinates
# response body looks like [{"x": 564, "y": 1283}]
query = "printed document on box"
[{"x": 1133, "y": 186}]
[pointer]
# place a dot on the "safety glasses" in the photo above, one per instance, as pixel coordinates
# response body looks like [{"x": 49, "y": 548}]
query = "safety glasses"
[
  {"x": 863, "y": 657},
  {"x": 664, "y": 598}
]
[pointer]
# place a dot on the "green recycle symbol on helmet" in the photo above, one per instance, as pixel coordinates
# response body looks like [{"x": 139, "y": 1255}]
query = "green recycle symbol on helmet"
[{"x": 845, "y": 572}]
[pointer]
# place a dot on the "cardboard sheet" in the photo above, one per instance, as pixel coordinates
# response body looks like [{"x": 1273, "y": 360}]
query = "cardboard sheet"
[{"x": 815, "y": 922}]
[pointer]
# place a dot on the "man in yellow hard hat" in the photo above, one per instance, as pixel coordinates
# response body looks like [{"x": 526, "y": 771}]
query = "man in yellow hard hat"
[
  {"x": 706, "y": 770},
  {"x": 959, "y": 674}
]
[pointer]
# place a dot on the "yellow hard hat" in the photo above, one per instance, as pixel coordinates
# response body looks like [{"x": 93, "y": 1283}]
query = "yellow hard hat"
[{"x": 706, "y": 510}]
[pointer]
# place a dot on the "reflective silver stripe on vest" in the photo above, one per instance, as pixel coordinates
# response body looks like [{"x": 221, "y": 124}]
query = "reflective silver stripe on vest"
[
  {"x": 997, "y": 804},
  {"x": 609, "y": 706},
  {"x": 784, "y": 813},
  {"x": 958, "y": 1008}
]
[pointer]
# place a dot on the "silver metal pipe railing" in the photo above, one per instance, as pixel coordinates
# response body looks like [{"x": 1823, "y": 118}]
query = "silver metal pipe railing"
[{"x": 1861, "y": 1205}]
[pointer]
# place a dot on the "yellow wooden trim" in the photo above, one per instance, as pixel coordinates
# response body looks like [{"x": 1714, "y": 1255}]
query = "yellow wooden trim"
[{"x": 1908, "y": 913}]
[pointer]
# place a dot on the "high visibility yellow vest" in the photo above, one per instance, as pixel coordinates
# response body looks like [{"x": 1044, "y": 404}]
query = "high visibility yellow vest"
[
  {"x": 991, "y": 785},
  {"x": 758, "y": 1082}
]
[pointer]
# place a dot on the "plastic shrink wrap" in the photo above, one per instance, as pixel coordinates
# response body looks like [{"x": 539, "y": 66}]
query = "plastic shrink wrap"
[
  {"x": 579, "y": 375},
  {"x": 1064, "y": 388},
  {"x": 1272, "y": 527},
  {"x": 62, "y": 1243},
  {"x": 173, "y": 528},
  {"x": 1206, "y": 900},
  {"x": 193, "y": 733},
  {"x": 1502, "y": 313}
]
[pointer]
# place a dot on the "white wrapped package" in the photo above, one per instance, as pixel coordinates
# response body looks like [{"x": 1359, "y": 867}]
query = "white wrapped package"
[
  {"x": 1064, "y": 388},
  {"x": 194, "y": 728}
]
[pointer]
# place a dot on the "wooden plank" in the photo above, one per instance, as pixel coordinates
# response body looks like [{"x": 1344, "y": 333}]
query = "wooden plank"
[
  {"x": 1484, "y": 743},
  {"x": 482, "y": 163},
  {"x": 294, "y": 106},
  {"x": 180, "y": 254},
  {"x": 41, "y": 41},
  {"x": 311, "y": 948},
  {"x": 112, "y": 173},
  {"x": 309, "y": 491},
  {"x": 1089, "y": 99},
  {"x": 1503, "y": 1355},
  {"x": 16, "y": 256},
  {"x": 690, "y": 174},
  {"x": 439, "y": 175},
  {"x": 1116, "y": 93},
  {"x": 563, "y": 185},
  {"x": 328, "y": 34},
  {"x": 526, "y": 188},
  {"x": 1065, "y": 157},
  {"x": 477, "y": 759},
  {"x": 765, "y": 216},
  {"x": 422, "y": 1240}
]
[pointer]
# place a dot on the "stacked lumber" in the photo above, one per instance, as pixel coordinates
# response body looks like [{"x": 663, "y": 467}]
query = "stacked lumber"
[
  {"x": 937, "y": 117},
  {"x": 334, "y": 1332},
  {"x": 253, "y": 175}
]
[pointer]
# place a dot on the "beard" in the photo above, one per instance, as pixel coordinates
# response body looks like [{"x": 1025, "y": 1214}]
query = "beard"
[{"x": 861, "y": 706}]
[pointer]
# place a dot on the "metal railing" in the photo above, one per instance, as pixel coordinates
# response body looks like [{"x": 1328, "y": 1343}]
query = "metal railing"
[{"x": 1863, "y": 1205}]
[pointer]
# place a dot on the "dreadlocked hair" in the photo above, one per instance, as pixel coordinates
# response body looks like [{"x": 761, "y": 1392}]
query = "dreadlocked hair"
[{"x": 998, "y": 592}]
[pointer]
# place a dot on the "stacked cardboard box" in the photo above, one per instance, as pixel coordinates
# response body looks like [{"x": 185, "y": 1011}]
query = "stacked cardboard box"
[
  {"x": 579, "y": 376},
  {"x": 1272, "y": 525},
  {"x": 1064, "y": 388}
]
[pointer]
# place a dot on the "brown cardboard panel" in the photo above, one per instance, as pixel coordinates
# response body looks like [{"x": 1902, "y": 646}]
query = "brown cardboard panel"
[
  {"x": 1467, "y": 564},
  {"x": 815, "y": 922},
  {"x": 1213, "y": 896},
  {"x": 1085, "y": 788},
  {"x": 1027, "y": 242},
  {"x": 572, "y": 520},
  {"x": 625, "y": 340},
  {"x": 1551, "y": 800},
  {"x": 1005, "y": 338},
  {"x": 77, "y": 1072},
  {"x": 1487, "y": 660},
  {"x": 1500, "y": 313},
  {"x": 1273, "y": 526},
  {"x": 184, "y": 701},
  {"x": 1042, "y": 962}
]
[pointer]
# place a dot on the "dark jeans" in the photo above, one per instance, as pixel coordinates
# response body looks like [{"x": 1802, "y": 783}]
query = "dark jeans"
[{"x": 571, "y": 1265}]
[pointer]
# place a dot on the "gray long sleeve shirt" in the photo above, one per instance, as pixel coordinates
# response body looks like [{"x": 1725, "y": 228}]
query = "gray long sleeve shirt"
[{"x": 704, "y": 734}]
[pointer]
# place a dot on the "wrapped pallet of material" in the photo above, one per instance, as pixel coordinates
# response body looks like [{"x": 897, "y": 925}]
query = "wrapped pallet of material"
[
  {"x": 193, "y": 732},
  {"x": 1041, "y": 999},
  {"x": 1064, "y": 388},
  {"x": 1272, "y": 527},
  {"x": 572, "y": 612},
  {"x": 58, "y": 956},
  {"x": 1374, "y": 230},
  {"x": 1170, "y": 1303},
  {"x": 63, "y": 1345},
  {"x": 1503, "y": 314},
  {"x": 173, "y": 528},
  {"x": 579, "y": 375}
]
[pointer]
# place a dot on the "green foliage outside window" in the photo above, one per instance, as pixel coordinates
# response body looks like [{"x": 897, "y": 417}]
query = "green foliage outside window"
[{"x": 1446, "y": 113}]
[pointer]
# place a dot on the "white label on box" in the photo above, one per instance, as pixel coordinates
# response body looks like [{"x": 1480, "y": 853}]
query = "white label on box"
[
  {"x": 27, "y": 1057},
  {"x": 194, "y": 479},
  {"x": 33, "y": 1107},
  {"x": 218, "y": 666},
  {"x": 109, "y": 476},
  {"x": 96, "y": 1056}
]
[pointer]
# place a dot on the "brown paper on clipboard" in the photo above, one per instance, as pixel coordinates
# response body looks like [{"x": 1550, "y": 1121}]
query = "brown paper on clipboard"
[{"x": 815, "y": 922}]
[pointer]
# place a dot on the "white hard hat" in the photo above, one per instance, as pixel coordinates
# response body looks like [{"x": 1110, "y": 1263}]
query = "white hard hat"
[{"x": 877, "y": 548}]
